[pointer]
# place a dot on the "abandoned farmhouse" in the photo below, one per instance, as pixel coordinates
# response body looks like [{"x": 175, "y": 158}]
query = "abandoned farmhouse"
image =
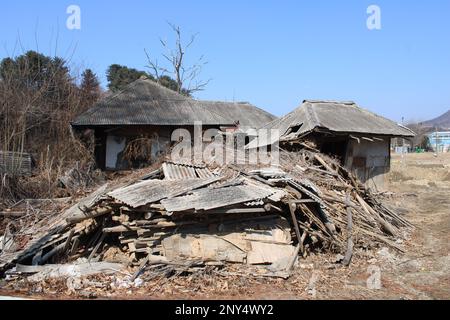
[
  {"x": 145, "y": 109},
  {"x": 359, "y": 138}
]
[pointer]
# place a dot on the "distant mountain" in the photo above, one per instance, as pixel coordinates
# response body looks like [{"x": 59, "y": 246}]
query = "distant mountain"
[{"x": 441, "y": 122}]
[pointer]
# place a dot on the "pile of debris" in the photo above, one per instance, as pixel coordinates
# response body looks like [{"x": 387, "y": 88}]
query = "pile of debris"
[{"x": 184, "y": 217}]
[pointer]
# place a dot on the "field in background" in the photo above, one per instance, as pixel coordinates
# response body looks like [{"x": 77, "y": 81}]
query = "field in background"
[{"x": 420, "y": 169}]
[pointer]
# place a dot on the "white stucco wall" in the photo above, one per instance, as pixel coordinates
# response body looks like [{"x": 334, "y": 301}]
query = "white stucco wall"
[
  {"x": 375, "y": 157},
  {"x": 114, "y": 146}
]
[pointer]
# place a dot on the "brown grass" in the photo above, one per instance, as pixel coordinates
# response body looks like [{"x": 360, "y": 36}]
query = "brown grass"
[{"x": 36, "y": 119}]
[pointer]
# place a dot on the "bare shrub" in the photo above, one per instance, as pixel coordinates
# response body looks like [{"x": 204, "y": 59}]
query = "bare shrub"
[
  {"x": 38, "y": 99},
  {"x": 139, "y": 151}
]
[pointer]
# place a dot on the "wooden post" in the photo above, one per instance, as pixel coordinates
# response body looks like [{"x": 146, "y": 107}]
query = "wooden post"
[
  {"x": 349, "y": 253},
  {"x": 293, "y": 208}
]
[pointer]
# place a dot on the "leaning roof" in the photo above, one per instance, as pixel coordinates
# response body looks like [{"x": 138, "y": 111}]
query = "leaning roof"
[
  {"x": 145, "y": 102},
  {"x": 334, "y": 117}
]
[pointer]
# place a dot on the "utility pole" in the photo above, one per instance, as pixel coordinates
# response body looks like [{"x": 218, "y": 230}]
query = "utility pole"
[{"x": 403, "y": 140}]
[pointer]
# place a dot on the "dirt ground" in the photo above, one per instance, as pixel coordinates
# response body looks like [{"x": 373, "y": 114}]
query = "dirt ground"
[{"x": 418, "y": 187}]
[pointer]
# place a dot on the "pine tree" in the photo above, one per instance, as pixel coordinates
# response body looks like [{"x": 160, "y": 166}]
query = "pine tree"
[
  {"x": 90, "y": 87},
  {"x": 120, "y": 76}
]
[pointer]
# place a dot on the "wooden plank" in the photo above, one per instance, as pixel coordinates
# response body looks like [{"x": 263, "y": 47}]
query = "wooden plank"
[
  {"x": 97, "y": 246},
  {"x": 386, "y": 226},
  {"x": 292, "y": 209},
  {"x": 89, "y": 215},
  {"x": 324, "y": 164},
  {"x": 12, "y": 214},
  {"x": 349, "y": 252}
]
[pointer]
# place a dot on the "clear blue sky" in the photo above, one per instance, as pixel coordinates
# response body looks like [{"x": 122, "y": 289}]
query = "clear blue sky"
[{"x": 272, "y": 53}]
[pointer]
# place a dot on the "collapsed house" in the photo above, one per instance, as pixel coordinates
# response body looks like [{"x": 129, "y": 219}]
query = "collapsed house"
[
  {"x": 357, "y": 137},
  {"x": 136, "y": 124},
  {"x": 182, "y": 218}
]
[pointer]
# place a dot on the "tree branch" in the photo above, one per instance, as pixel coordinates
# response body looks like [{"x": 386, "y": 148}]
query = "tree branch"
[{"x": 184, "y": 76}]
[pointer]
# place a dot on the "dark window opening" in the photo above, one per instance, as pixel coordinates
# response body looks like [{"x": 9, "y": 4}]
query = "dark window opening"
[{"x": 336, "y": 149}]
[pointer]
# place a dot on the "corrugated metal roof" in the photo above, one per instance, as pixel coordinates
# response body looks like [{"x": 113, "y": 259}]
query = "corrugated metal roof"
[
  {"x": 147, "y": 192},
  {"x": 178, "y": 171},
  {"x": 213, "y": 198},
  {"x": 339, "y": 117},
  {"x": 145, "y": 102}
]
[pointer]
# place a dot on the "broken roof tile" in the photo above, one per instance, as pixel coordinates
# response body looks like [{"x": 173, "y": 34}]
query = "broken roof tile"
[
  {"x": 179, "y": 171},
  {"x": 207, "y": 199},
  {"x": 151, "y": 191}
]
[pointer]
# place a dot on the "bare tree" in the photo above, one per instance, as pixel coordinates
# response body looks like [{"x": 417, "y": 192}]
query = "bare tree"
[{"x": 186, "y": 77}]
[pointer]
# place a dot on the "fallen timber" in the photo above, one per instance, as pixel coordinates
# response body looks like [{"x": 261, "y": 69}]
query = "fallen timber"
[{"x": 251, "y": 215}]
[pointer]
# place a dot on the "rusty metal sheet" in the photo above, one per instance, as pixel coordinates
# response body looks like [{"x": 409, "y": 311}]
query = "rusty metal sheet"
[
  {"x": 151, "y": 191},
  {"x": 180, "y": 171},
  {"x": 212, "y": 198}
]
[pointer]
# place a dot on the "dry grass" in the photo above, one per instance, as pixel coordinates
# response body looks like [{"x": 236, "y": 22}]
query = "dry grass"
[
  {"x": 35, "y": 118},
  {"x": 423, "y": 168}
]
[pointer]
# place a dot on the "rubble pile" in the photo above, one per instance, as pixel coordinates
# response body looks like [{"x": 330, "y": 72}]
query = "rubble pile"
[{"x": 184, "y": 217}]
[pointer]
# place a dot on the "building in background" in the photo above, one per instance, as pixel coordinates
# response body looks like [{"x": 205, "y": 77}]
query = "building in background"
[{"x": 440, "y": 141}]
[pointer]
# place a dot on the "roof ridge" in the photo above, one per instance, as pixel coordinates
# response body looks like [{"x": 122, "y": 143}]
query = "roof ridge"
[
  {"x": 312, "y": 101},
  {"x": 221, "y": 101}
]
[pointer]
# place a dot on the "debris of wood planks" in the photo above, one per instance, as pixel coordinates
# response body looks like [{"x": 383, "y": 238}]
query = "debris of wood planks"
[
  {"x": 64, "y": 271},
  {"x": 184, "y": 217}
]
